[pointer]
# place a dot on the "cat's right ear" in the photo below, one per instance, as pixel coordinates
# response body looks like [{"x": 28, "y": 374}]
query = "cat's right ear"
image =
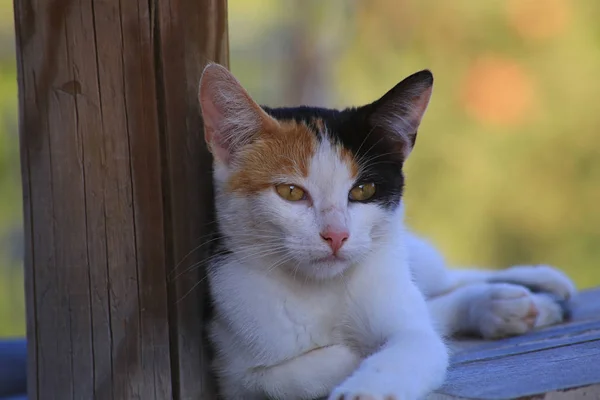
[
  {"x": 231, "y": 118},
  {"x": 400, "y": 111}
]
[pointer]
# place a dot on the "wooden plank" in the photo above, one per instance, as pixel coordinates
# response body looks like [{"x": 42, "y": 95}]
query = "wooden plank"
[
  {"x": 558, "y": 337},
  {"x": 553, "y": 363},
  {"x": 114, "y": 192},
  {"x": 586, "y": 305},
  {"x": 529, "y": 374},
  {"x": 591, "y": 392}
]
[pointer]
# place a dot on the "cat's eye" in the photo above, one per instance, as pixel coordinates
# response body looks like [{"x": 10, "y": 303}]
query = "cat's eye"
[
  {"x": 362, "y": 192},
  {"x": 290, "y": 192}
]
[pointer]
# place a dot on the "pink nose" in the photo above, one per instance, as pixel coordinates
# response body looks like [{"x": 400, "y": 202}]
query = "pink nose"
[{"x": 335, "y": 239}]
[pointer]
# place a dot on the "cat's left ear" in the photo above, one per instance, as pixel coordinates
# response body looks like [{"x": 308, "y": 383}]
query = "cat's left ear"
[
  {"x": 400, "y": 111},
  {"x": 231, "y": 118}
]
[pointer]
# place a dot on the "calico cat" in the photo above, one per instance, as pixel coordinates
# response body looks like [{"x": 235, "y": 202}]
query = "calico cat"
[{"x": 318, "y": 289}]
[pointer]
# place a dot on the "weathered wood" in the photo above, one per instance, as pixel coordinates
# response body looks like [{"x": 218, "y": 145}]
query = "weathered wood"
[
  {"x": 116, "y": 190},
  {"x": 558, "y": 362},
  {"x": 192, "y": 32}
]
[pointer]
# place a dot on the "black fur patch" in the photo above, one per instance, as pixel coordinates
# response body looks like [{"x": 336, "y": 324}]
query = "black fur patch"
[
  {"x": 378, "y": 135},
  {"x": 378, "y": 154}
]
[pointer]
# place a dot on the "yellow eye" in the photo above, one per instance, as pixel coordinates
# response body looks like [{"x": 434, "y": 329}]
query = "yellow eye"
[
  {"x": 290, "y": 192},
  {"x": 362, "y": 192}
]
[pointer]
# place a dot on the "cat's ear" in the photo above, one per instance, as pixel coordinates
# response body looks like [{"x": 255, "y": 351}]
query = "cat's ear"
[
  {"x": 400, "y": 110},
  {"x": 231, "y": 118}
]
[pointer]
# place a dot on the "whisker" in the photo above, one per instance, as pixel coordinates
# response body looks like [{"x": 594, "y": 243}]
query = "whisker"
[
  {"x": 276, "y": 264},
  {"x": 217, "y": 237},
  {"x": 370, "y": 148},
  {"x": 365, "y": 139},
  {"x": 190, "y": 253},
  {"x": 265, "y": 251},
  {"x": 191, "y": 290}
]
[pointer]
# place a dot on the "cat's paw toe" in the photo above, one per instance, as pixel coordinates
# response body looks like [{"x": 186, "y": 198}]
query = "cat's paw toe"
[
  {"x": 363, "y": 396},
  {"x": 504, "y": 310},
  {"x": 542, "y": 278},
  {"x": 372, "y": 389}
]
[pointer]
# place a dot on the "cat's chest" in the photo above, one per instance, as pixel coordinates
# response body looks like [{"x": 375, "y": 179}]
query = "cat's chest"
[
  {"x": 311, "y": 317},
  {"x": 278, "y": 309}
]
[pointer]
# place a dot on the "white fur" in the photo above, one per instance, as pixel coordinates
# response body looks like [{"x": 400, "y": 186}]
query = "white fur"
[
  {"x": 288, "y": 327},
  {"x": 293, "y": 323},
  {"x": 488, "y": 303}
]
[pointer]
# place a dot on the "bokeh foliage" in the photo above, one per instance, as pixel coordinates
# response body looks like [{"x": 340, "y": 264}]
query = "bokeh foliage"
[{"x": 507, "y": 164}]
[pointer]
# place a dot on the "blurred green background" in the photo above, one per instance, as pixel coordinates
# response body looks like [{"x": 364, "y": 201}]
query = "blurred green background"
[{"x": 507, "y": 164}]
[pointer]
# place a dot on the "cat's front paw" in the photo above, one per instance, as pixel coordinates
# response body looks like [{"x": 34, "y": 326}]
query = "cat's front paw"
[
  {"x": 370, "y": 386},
  {"x": 364, "y": 394},
  {"x": 503, "y": 309},
  {"x": 539, "y": 278}
]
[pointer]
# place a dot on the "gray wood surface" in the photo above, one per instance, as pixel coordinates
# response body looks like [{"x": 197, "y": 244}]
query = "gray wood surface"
[
  {"x": 116, "y": 188},
  {"x": 557, "y": 362}
]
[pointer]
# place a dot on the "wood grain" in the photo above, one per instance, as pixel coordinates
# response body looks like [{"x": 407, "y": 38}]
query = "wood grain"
[
  {"x": 116, "y": 187},
  {"x": 558, "y": 362},
  {"x": 185, "y": 27}
]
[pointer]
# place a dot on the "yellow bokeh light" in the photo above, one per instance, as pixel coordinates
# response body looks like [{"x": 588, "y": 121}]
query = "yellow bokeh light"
[{"x": 538, "y": 19}]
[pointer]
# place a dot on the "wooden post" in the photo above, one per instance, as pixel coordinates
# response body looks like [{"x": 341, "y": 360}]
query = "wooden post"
[{"x": 116, "y": 186}]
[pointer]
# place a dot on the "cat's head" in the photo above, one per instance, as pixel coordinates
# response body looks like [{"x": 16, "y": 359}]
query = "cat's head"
[{"x": 313, "y": 190}]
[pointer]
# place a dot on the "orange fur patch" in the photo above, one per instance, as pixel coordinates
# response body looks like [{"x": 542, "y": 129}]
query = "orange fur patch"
[
  {"x": 286, "y": 149},
  {"x": 319, "y": 124}
]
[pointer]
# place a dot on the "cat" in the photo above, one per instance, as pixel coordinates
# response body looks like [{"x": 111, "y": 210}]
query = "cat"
[{"x": 318, "y": 288}]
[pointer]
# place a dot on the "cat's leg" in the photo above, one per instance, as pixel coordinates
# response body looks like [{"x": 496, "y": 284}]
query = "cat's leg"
[
  {"x": 309, "y": 376},
  {"x": 486, "y": 302},
  {"x": 434, "y": 278},
  {"x": 389, "y": 321},
  {"x": 494, "y": 310},
  {"x": 538, "y": 278},
  {"x": 504, "y": 302}
]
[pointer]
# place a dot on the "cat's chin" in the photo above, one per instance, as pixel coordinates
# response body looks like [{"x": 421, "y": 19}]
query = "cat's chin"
[{"x": 327, "y": 267}]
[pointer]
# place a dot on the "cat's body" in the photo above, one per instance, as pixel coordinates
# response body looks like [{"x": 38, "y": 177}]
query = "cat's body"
[{"x": 320, "y": 290}]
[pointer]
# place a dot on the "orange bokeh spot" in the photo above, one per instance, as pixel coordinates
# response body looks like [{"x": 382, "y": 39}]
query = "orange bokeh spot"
[
  {"x": 538, "y": 19},
  {"x": 498, "y": 91}
]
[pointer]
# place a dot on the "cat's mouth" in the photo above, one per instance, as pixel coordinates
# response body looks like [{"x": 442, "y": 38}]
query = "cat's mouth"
[{"x": 332, "y": 258}]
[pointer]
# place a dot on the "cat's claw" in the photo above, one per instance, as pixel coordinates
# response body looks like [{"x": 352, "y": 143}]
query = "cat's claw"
[{"x": 505, "y": 309}]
